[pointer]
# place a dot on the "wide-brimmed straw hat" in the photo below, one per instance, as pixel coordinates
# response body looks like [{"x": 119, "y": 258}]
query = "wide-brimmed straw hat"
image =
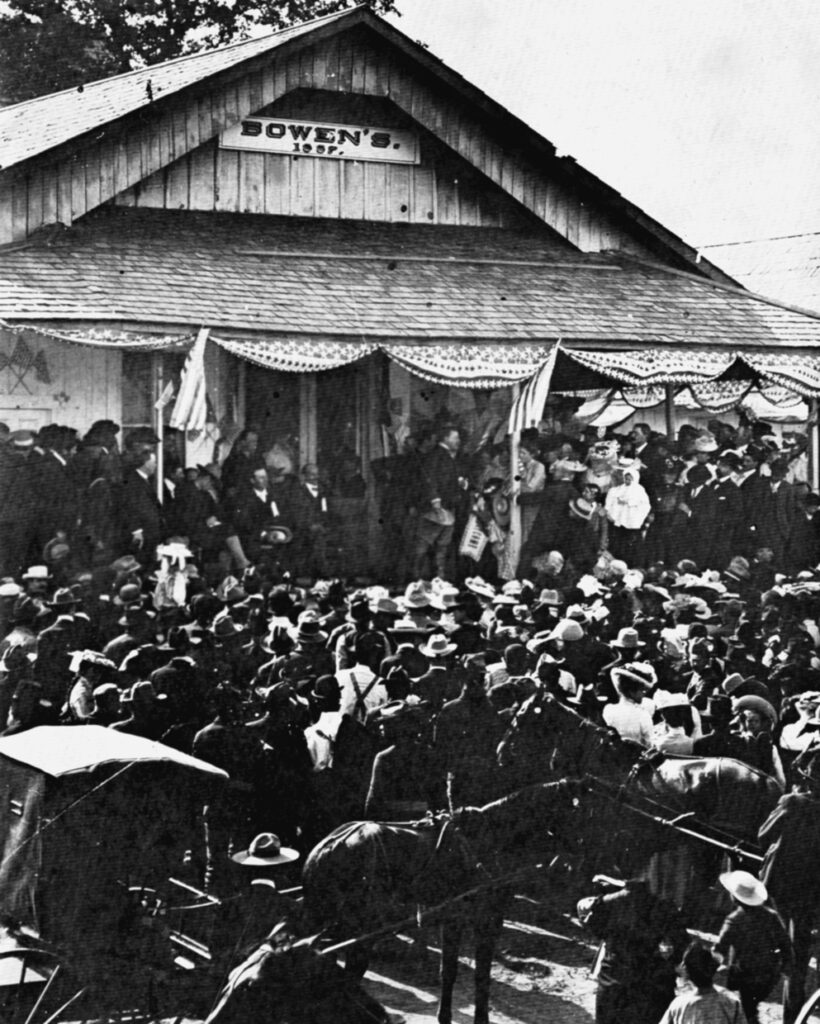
[
  {"x": 479, "y": 586},
  {"x": 751, "y": 702},
  {"x": 627, "y": 638},
  {"x": 416, "y": 596},
  {"x": 438, "y": 646},
  {"x": 264, "y": 852},
  {"x": 308, "y": 629},
  {"x": 744, "y": 887},
  {"x": 642, "y": 674},
  {"x": 568, "y": 630}
]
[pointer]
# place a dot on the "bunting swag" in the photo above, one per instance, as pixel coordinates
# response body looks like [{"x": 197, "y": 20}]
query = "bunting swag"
[
  {"x": 466, "y": 365},
  {"x": 488, "y": 366},
  {"x": 474, "y": 364},
  {"x": 104, "y": 337},
  {"x": 297, "y": 355}
]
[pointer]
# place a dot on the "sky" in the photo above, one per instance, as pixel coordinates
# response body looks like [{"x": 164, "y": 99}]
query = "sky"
[{"x": 704, "y": 114}]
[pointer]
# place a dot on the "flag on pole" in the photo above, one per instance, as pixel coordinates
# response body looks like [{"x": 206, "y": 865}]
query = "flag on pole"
[
  {"x": 191, "y": 407},
  {"x": 528, "y": 408}
]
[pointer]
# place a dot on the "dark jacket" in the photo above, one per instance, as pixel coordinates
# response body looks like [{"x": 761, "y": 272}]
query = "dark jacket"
[
  {"x": 58, "y": 506},
  {"x": 440, "y": 480},
  {"x": 141, "y": 510}
]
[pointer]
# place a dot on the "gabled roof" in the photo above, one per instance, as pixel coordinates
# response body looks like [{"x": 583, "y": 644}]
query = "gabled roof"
[
  {"x": 361, "y": 280},
  {"x": 39, "y": 125},
  {"x": 35, "y": 126},
  {"x": 786, "y": 268}
]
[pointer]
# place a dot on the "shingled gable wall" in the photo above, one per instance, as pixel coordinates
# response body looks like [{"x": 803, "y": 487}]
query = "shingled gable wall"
[{"x": 168, "y": 150}]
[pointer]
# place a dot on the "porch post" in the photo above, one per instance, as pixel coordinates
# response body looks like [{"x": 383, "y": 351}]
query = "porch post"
[
  {"x": 515, "y": 490},
  {"x": 669, "y": 410},
  {"x": 307, "y": 418},
  {"x": 159, "y": 424},
  {"x": 814, "y": 445}
]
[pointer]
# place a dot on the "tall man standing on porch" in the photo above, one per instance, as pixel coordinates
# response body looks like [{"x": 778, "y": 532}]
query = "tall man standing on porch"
[{"x": 442, "y": 488}]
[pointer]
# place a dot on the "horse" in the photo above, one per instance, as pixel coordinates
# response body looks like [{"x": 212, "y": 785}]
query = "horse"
[
  {"x": 293, "y": 984},
  {"x": 718, "y": 797},
  {"x": 366, "y": 876}
]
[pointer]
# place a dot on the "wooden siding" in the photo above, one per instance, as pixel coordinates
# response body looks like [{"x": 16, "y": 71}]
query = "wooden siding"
[
  {"x": 240, "y": 182},
  {"x": 83, "y": 384},
  {"x": 75, "y": 181}
]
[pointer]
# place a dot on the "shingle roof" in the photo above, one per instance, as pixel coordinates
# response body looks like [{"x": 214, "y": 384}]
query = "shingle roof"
[
  {"x": 354, "y": 279},
  {"x": 37, "y": 125},
  {"x": 786, "y": 268}
]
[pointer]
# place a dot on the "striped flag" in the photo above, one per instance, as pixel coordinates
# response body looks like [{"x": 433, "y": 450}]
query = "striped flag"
[
  {"x": 191, "y": 407},
  {"x": 528, "y": 408}
]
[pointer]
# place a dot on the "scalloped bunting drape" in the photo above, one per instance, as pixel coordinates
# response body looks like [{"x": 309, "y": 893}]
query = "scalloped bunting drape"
[{"x": 492, "y": 364}]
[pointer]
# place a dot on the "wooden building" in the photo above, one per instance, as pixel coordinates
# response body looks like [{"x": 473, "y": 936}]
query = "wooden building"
[{"x": 366, "y": 238}]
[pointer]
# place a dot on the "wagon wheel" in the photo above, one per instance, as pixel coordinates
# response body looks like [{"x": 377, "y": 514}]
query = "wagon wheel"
[
  {"x": 810, "y": 1004},
  {"x": 25, "y": 967}
]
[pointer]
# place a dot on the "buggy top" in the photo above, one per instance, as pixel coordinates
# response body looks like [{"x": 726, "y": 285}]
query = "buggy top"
[{"x": 86, "y": 812}]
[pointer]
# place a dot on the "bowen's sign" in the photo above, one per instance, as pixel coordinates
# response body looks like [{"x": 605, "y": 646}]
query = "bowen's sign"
[{"x": 311, "y": 138}]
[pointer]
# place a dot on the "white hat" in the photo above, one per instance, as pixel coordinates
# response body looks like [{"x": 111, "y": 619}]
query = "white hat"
[
  {"x": 36, "y": 572},
  {"x": 664, "y": 699},
  {"x": 437, "y": 647},
  {"x": 568, "y": 630},
  {"x": 480, "y": 587},
  {"x": 744, "y": 887},
  {"x": 706, "y": 443}
]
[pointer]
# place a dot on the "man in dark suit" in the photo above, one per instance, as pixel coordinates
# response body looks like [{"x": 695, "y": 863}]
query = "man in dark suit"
[
  {"x": 18, "y": 519},
  {"x": 55, "y": 644},
  {"x": 777, "y": 511},
  {"x": 700, "y": 503},
  {"x": 804, "y": 543},
  {"x": 729, "y": 512},
  {"x": 650, "y": 458},
  {"x": 439, "y": 501},
  {"x": 792, "y": 832},
  {"x": 142, "y": 518},
  {"x": 58, "y": 506},
  {"x": 259, "y": 504},
  {"x": 312, "y": 522}
]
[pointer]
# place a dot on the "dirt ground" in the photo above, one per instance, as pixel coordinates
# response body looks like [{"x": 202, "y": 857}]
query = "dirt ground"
[{"x": 542, "y": 973}]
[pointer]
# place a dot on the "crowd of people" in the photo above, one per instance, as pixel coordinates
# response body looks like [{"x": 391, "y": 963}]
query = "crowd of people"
[{"x": 672, "y": 596}]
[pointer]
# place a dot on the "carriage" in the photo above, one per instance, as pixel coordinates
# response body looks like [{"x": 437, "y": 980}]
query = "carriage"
[{"x": 95, "y": 829}]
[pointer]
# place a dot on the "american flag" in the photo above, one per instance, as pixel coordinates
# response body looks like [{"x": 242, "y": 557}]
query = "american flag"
[
  {"x": 191, "y": 407},
  {"x": 528, "y": 408}
]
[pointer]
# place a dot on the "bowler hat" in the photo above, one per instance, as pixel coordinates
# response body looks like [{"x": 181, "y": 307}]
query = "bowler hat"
[{"x": 21, "y": 439}]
